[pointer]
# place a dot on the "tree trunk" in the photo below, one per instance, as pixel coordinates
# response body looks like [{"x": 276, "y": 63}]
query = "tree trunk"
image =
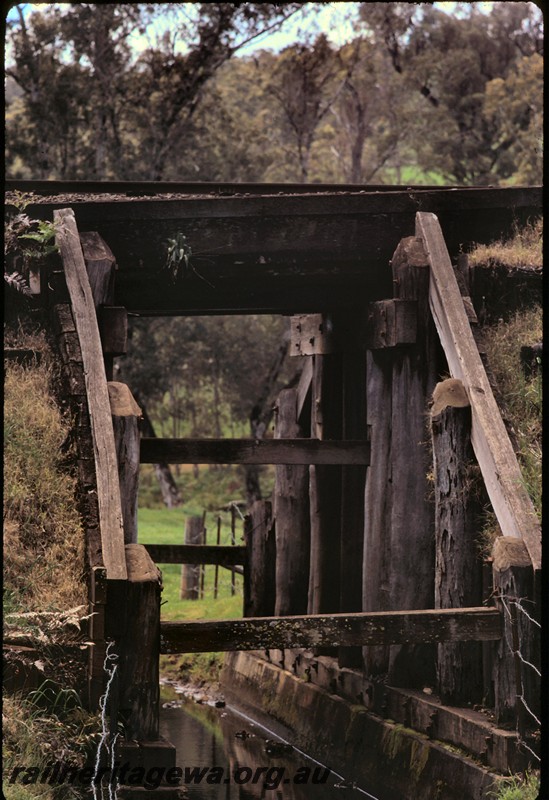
[
  {"x": 168, "y": 487},
  {"x": 260, "y": 417}
]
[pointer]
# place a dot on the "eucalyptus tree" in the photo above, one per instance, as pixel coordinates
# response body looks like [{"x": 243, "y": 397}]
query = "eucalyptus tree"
[
  {"x": 449, "y": 59},
  {"x": 306, "y": 82}
]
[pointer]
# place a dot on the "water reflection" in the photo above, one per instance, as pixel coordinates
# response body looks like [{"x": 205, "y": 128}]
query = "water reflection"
[{"x": 226, "y": 756}]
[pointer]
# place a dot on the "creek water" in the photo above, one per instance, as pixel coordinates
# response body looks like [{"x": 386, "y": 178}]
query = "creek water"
[{"x": 225, "y": 755}]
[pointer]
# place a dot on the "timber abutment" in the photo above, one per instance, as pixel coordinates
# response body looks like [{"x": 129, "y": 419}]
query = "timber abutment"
[{"x": 374, "y": 632}]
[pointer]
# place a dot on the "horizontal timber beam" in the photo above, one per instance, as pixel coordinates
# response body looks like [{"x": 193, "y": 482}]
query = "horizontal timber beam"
[
  {"x": 273, "y": 251},
  {"x": 372, "y": 628},
  {"x": 254, "y": 451},
  {"x": 224, "y": 555}
]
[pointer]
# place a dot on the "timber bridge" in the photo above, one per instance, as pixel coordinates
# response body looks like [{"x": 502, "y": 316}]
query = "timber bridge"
[{"x": 362, "y": 579}]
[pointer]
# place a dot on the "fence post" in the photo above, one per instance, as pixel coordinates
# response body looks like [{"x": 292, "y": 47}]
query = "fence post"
[
  {"x": 190, "y": 573},
  {"x": 458, "y": 568}
]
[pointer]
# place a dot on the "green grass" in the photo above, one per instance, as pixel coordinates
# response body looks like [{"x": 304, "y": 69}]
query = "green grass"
[
  {"x": 524, "y": 248},
  {"x": 519, "y": 788},
  {"x": 167, "y": 526}
]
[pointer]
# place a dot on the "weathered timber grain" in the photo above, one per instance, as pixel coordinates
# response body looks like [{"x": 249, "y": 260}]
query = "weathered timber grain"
[
  {"x": 312, "y": 334},
  {"x": 254, "y": 451},
  {"x": 335, "y": 629},
  {"x": 390, "y": 323},
  {"x": 377, "y": 500},
  {"x": 224, "y": 555},
  {"x": 291, "y": 516},
  {"x": 113, "y": 329},
  {"x": 411, "y": 531},
  {"x": 513, "y": 679},
  {"x": 491, "y": 443},
  {"x": 259, "y": 572},
  {"x": 353, "y": 479},
  {"x": 190, "y": 572},
  {"x": 100, "y": 266},
  {"x": 304, "y": 391},
  {"x": 458, "y": 568},
  {"x": 125, "y": 421},
  {"x": 137, "y": 603},
  {"x": 325, "y": 486},
  {"x": 303, "y": 253},
  {"x": 108, "y": 489}
]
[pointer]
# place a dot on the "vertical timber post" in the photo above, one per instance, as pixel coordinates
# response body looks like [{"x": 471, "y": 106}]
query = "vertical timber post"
[
  {"x": 325, "y": 489},
  {"x": 352, "y": 494},
  {"x": 125, "y": 420},
  {"x": 458, "y": 568},
  {"x": 516, "y": 683},
  {"x": 377, "y": 500},
  {"x": 259, "y": 569},
  {"x": 291, "y": 515},
  {"x": 411, "y": 529}
]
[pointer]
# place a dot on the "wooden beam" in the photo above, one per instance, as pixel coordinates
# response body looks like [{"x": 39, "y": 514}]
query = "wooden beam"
[
  {"x": 312, "y": 334},
  {"x": 390, "y": 323},
  {"x": 254, "y": 451},
  {"x": 106, "y": 467},
  {"x": 491, "y": 443},
  {"x": 374, "y": 628},
  {"x": 280, "y": 252},
  {"x": 224, "y": 555}
]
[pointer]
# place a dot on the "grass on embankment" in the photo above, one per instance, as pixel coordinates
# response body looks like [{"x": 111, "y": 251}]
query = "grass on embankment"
[
  {"x": 524, "y": 249},
  {"x": 43, "y": 536},
  {"x": 43, "y": 572},
  {"x": 520, "y": 397}
]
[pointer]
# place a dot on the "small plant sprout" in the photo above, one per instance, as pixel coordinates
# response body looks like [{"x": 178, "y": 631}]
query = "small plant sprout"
[{"x": 178, "y": 259}]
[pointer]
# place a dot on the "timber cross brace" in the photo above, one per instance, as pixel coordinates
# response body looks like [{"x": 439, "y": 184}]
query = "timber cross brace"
[{"x": 353, "y": 558}]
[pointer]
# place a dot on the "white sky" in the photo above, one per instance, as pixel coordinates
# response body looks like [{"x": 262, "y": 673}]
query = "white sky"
[{"x": 334, "y": 19}]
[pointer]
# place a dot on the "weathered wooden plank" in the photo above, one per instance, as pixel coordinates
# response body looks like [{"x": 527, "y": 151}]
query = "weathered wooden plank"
[
  {"x": 390, "y": 323},
  {"x": 259, "y": 576},
  {"x": 493, "y": 449},
  {"x": 378, "y": 628},
  {"x": 515, "y": 680},
  {"x": 100, "y": 266},
  {"x": 410, "y": 567},
  {"x": 378, "y": 500},
  {"x": 458, "y": 568},
  {"x": 304, "y": 388},
  {"x": 137, "y": 619},
  {"x": 108, "y": 489},
  {"x": 224, "y": 555},
  {"x": 325, "y": 487},
  {"x": 113, "y": 329},
  {"x": 312, "y": 334},
  {"x": 125, "y": 421},
  {"x": 254, "y": 451},
  {"x": 353, "y": 479},
  {"x": 291, "y": 516}
]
